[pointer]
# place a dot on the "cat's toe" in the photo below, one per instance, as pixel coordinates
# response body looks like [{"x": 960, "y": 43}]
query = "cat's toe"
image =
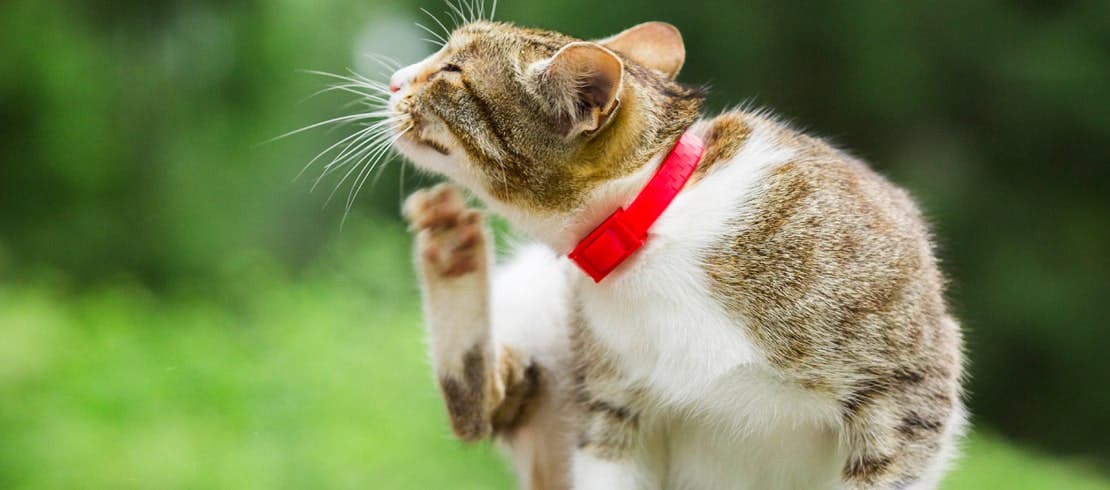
[
  {"x": 455, "y": 250},
  {"x": 439, "y": 206}
]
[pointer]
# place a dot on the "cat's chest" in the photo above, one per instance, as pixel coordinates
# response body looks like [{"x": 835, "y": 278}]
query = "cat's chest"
[
  {"x": 668, "y": 336},
  {"x": 657, "y": 316},
  {"x": 666, "y": 332}
]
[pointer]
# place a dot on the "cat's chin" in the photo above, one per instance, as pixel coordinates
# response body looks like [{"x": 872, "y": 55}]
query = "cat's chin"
[
  {"x": 430, "y": 159},
  {"x": 423, "y": 156}
]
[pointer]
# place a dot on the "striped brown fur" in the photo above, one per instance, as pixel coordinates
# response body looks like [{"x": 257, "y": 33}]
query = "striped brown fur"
[
  {"x": 724, "y": 138},
  {"x": 832, "y": 270}
]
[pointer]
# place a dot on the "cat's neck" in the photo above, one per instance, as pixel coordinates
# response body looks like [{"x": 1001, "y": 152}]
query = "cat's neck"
[
  {"x": 634, "y": 145},
  {"x": 563, "y": 230}
]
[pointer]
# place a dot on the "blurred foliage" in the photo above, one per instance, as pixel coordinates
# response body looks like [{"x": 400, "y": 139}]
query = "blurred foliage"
[
  {"x": 272, "y": 383},
  {"x": 130, "y": 154}
]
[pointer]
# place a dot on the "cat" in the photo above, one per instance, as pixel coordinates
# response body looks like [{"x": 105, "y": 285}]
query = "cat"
[{"x": 783, "y": 326}]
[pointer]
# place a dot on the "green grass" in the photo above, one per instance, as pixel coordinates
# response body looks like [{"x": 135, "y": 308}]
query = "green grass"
[{"x": 268, "y": 381}]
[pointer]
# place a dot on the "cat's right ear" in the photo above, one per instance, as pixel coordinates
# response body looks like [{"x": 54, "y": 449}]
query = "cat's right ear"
[
  {"x": 581, "y": 85},
  {"x": 656, "y": 45}
]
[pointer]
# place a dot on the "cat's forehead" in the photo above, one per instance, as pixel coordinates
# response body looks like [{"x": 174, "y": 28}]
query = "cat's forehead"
[{"x": 493, "y": 38}]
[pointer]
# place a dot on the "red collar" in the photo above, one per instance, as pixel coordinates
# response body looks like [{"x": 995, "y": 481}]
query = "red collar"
[{"x": 624, "y": 231}]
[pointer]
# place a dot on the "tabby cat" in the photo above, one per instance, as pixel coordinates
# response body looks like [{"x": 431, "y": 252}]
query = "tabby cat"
[{"x": 783, "y": 326}]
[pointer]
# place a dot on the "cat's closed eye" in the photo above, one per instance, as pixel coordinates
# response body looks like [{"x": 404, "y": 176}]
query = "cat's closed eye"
[{"x": 446, "y": 68}]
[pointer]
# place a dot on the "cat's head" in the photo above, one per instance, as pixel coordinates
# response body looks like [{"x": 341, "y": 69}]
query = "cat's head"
[{"x": 536, "y": 119}]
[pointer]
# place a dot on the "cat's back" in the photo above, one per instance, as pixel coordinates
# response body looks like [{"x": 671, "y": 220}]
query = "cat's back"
[
  {"x": 830, "y": 269},
  {"x": 827, "y": 260}
]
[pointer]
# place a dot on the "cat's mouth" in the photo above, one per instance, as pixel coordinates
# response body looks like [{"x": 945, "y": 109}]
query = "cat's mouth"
[
  {"x": 418, "y": 126},
  {"x": 415, "y": 137}
]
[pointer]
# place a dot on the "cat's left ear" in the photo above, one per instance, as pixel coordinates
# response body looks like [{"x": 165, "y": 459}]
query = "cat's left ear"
[{"x": 656, "y": 45}]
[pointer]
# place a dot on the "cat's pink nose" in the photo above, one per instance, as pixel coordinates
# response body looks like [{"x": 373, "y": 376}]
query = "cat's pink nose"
[
  {"x": 402, "y": 78},
  {"x": 397, "y": 81}
]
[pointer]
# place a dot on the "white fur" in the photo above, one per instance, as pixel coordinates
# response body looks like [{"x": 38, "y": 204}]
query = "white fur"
[
  {"x": 455, "y": 313},
  {"x": 531, "y": 299},
  {"x": 591, "y": 473}
]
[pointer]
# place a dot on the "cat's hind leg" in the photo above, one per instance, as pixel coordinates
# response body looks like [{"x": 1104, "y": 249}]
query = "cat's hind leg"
[
  {"x": 901, "y": 431},
  {"x": 609, "y": 433}
]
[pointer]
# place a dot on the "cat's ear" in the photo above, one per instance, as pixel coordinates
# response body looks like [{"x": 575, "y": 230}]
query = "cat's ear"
[
  {"x": 582, "y": 84},
  {"x": 656, "y": 45}
]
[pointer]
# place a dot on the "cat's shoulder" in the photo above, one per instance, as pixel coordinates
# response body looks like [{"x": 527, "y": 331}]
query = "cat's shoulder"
[
  {"x": 787, "y": 163},
  {"x": 746, "y": 136}
]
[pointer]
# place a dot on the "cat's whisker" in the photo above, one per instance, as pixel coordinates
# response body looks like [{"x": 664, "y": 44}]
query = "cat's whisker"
[
  {"x": 401, "y": 182},
  {"x": 446, "y": 31},
  {"x": 345, "y": 123},
  {"x": 375, "y": 95},
  {"x": 365, "y": 136},
  {"x": 368, "y": 83},
  {"x": 469, "y": 10},
  {"x": 376, "y": 131},
  {"x": 346, "y": 88},
  {"x": 371, "y": 162},
  {"x": 348, "y": 105},
  {"x": 390, "y": 65},
  {"x": 504, "y": 175},
  {"x": 332, "y": 75},
  {"x": 362, "y": 78},
  {"x": 354, "y": 135},
  {"x": 368, "y": 89},
  {"x": 386, "y": 160},
  {"x": 374, "y": 114},
  {"x": 439, "y": 38},
  {"x": 373, "y": 153},
  {"x": 350, "y": 87},
  {"x": 378, "y": 161},
  {"x": 321, "y": 123},
  {"x": 363, "y": 148},
  {"x": 385, "y": 61},
  {"x": 462, "y": 17},
  {"x": 368, "y": 138},
  {"x": 454, "y": 20},
  {"x": 493, "y": 11},
  {"x": 359, "y": 80}
]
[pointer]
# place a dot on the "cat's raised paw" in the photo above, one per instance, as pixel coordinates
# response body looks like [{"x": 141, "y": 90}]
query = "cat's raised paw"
[
  {"x": 450, "y": 238},
  {"x": 434, "y": 207}
]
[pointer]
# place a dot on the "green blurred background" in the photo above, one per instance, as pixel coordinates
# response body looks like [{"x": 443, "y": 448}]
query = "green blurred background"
[{"x": 177, "y": 311}]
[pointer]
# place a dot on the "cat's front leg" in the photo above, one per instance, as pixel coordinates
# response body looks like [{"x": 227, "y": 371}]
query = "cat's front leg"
[{"x": 453, "y": 258}]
